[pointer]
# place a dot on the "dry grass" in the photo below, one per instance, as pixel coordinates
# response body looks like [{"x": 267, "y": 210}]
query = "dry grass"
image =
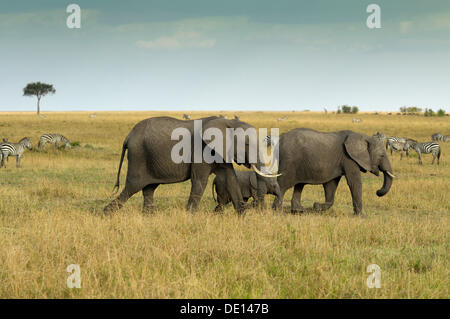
[{"x": 49, "y": 218}]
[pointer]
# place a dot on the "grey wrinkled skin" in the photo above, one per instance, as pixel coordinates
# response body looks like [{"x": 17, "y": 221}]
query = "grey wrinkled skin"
[
  {"x": 249, "y": 185},
  {"x": 150, "y": 164},
  {"x": 311, "y": 157}
]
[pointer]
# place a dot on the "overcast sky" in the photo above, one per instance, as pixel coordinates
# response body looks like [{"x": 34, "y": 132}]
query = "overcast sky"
[{"x": 226, "y": 55}]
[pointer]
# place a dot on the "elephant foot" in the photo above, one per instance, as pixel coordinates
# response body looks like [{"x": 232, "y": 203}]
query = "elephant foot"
[
  {"x": 298, "y": 209},
  {"x": 360, "y": 215},
  {"x": 147, "y": 210},
  {"x": 321, "y": 207},
  {"x": 112, "y": 207},
  {"x": 242, "y": 206},
  {"x": 218, "y": 209}
]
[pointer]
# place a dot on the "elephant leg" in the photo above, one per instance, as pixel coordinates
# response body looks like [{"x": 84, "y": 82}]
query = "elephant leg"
[
  {"x": 234, "y": 190},
  {"x": 222, "y": 198},
  {"x": 278, "y": 201},
  {"x": 199, "y": 179},
  {"x": 148, "y": 192},
  {"x": 117, "y": 203},
  {"x": 296, "y": 206},
  {"x": 330, "y": 190},
  {"x": 353, "y": 176}
]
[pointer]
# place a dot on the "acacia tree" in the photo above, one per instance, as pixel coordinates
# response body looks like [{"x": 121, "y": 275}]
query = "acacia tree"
[{"x": 39, "y": 90}]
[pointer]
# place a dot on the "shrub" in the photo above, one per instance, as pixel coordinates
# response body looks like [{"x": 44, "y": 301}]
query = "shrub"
[
  {"x": 440, "y": 112},
  {"x": 428, "y": 112}
]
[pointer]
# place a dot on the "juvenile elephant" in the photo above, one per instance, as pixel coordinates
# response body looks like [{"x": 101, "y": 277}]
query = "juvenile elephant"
[
  {"x": 151, "y": 163},
  {"x": 249, "y": 185},
  {"x": 307, "y": 156}
]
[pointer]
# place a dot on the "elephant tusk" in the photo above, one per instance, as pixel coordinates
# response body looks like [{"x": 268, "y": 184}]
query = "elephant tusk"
[
  {"x": 390, "y": 174},
  {"x": 262, "y": 174}
]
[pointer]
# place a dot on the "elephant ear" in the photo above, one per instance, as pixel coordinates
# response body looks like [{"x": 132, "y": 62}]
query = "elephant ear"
[
  {"x": 253, "y": 180},
  {"x": 357, "y": 148}
]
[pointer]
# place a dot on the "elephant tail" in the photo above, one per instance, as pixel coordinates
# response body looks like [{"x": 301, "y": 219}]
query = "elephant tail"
[
  {"x": 124, "y": 149},
  {"x": 212, "y": 190}
]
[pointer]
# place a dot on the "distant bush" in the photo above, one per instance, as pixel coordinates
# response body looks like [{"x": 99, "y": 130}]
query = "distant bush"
[
  {"x": 440, "y": 112},
  {"x": 428, "y": 112},
  {"x": 75, "y": 144},
  {"x": 347, "y": 109},
  {"x": 410, "y": 109}
]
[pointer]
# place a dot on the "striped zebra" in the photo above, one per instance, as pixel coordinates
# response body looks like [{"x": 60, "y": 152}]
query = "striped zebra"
[
  {"x": 271, "y": 141},
  {"x": 437, "y": 137},
  {"x": 186, "y": 116},
  {"x": 54, "y": 139},
  {"x": 446, "y": 138},
  {"x": 379, "y": 136},
  {"x": 426, "y": 148},
  {"x": 398, "y": 144},
  {"x": 14, "y": 149}
]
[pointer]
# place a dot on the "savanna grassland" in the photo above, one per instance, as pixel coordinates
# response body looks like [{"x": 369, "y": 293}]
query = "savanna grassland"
[{"x": 50, "y": 217}]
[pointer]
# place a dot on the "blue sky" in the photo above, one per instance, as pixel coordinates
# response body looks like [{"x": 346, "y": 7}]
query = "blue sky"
[{"x": 226, "y": 55}]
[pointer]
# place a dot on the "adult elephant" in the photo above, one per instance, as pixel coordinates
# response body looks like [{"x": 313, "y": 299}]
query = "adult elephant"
[
  {"x": 307, "y": 156},
  {"x": 151, "y": 162}
]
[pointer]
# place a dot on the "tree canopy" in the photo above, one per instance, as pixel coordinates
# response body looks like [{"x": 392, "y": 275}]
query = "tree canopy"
[{"x": 39, "y": 90}]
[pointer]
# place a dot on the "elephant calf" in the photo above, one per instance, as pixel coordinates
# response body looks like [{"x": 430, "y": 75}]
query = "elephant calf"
[{"x": 249, "y": 188}]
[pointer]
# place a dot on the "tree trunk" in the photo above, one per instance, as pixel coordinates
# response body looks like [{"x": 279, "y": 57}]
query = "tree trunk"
[{"x": 38, "y": 107}]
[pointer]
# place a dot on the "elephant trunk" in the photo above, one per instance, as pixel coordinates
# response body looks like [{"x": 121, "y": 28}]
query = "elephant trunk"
[{"x": 388, "y": 178}]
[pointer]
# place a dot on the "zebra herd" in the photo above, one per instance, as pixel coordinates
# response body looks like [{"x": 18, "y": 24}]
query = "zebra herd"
[
  {"x": 8, "y": 149},
  {"x": 404, "y": 144}
]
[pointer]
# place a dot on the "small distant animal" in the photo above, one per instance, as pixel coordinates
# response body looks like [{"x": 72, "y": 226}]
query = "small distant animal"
[
  {"x": 437, "y": 137},
  {"x": 93, "y": 115},
  {"x": 186, "y": 116},
  {"x": 5, "y": 140},
  {"x": 380, "y": 136},
  {"x": 14, "y": 149},
  {"x": 237, "y": 118},
  {"x": 426, "y": 148},
  {"x": 270, "y": 141},
  {"x": 356, "y": 120},
  {"x": 282, "y": 118},
  {"x": 53, "y": 138},
  {"x": 440, "y": 137}
]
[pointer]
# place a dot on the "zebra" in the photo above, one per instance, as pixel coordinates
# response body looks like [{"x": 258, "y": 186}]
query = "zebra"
[
  {"x": 380, "y": 136},
  {"x": 437, "y": 137},
  {"x": 426, "y": 148},
  {"x": 271, "y": 141},
  {"x": 282, "y": 118},
  {"x": 186, "y": 116},
  {"x": 53, "y": 138},
  {"x": 14, "y": 149},
  {"x": 446, "y": 138},
  {"x": 398, "y": 144},
  {"x": 356, "y": 120}
]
